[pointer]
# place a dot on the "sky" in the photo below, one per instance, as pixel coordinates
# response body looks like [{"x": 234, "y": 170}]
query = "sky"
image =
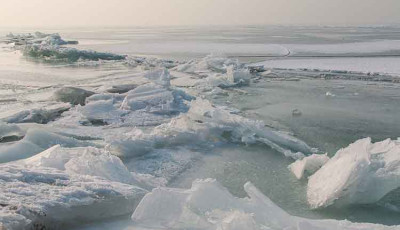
[{"x": 197, "y": 12}]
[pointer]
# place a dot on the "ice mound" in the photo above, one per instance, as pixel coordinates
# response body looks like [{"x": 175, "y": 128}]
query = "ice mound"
[
  {"x": 208, "y": 205},
  {"x": 362, "y": 173},
  {"x": 163, "y": 164},
  {"x": 55, "y": 53},
  {"x": 211, "y": 63},
  {"x": 35, "y": 197},
  {"x": 148, "y": 63},
  {"x": 75, "y": 96},
  {"x": 205, "y": 122},
  {"x": 83, "y": 161},
  {"x": 160, "y": 77},
  {"x": 10, "y": 132},
  {"x": 39, "y": 115},
  {"x": 104, "y": 97},
  {"x": 35, "y": 141},
  {"x": 157, "y": 99},
  {"x": 233, "y": 78},
  {"x": 121, "y": 88},
  {"x": 309, "y": 165},
  {"x": 37, "y": 38},
  {"x": 101, "y": 112},
  {"x": 53, "y": 39}
]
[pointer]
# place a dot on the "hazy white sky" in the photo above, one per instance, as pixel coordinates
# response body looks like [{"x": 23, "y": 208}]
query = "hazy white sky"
[{"x": 196, "y": 12}]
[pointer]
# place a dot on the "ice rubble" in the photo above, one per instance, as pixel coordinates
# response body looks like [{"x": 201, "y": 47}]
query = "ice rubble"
[
  {"x": 157, "y": 97},
  {"x": 211, "y": 63},
  {"x": 59, "y": 53},
  {"x": 49, "y": 47},
  {"x": 205, "y": 123},
  {"x": 39, "y": 115},
  {"x": 208, "y": 205},
  {"x": 309, "y": 165},
  {"x": 362, "y": 173},
  {"x": 101, "y": 112},
  {"x": 37, "y": 38},
  {"x": 62, "y": 187}
]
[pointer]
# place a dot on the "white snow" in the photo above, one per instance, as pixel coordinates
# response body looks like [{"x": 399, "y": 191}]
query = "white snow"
[{"x": 361, "y": 173}]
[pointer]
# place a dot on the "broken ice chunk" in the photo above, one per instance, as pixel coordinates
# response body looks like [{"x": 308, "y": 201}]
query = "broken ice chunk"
[{"x": 308, "y": 164}]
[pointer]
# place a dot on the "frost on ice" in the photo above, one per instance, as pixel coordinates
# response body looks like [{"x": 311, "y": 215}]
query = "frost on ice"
[
  {"x": 362, "y": 173},
  {"x": 208, "y": 205}
]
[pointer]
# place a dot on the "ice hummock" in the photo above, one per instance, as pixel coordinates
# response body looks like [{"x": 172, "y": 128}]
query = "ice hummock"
[
  {"x": 208, "y": 205},
  {"x": 362, "y": 173},
  {"x": 64, "y": 187},
  {"x": 157, "y": 97},
  {"x": 210, "y": 63},
  {"x": 54, "y": 53},
  {"x": 206, "y": 123}
]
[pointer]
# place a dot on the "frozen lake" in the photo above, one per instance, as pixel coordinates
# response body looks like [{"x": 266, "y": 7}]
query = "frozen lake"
[{"x": 204, "y": 117}]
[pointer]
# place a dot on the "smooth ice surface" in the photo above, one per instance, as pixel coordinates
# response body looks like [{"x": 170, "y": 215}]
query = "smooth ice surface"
[
  {"x": 362, "y": 173},
  {"x": 208, "y": 205}
]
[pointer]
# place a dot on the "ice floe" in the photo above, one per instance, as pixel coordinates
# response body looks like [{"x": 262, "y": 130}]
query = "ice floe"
[{"x": 362, "y": 173}]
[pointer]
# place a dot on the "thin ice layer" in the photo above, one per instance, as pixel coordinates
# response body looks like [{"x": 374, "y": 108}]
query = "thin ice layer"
[{"x": 362, "y": 173}]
